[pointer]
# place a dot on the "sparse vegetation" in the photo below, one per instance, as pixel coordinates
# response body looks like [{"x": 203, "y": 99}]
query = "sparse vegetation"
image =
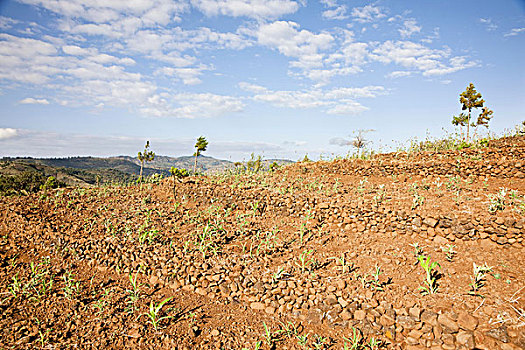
[{"x": 291, "y": 258}]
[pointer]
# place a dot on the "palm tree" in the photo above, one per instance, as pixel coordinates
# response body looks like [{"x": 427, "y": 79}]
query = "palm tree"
[{"x": 200, "y": 146}]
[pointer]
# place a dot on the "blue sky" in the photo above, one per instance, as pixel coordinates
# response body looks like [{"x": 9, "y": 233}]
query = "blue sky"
[{"x": 280, "y": 78}]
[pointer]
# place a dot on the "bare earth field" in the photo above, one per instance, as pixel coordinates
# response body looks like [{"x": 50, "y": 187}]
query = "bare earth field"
[{"x": 316, "y": 255}]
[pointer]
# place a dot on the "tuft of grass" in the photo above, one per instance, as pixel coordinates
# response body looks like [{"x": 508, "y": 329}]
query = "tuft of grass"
[
  {"x": 449, "y": 251},
  {"x": 478, "y": 278},
  {"x": 304, "y": 261},
  {"x": 134, "y": 292},
  {"x": 154, "y": 313}
]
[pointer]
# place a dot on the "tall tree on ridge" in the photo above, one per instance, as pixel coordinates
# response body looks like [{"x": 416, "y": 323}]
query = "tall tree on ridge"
[{"x": 200, "y": 146}]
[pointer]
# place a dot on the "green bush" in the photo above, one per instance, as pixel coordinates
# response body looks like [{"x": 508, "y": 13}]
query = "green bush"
[
  {"x": 179, "y": 173},
  {"x": 26, "y": 182}
]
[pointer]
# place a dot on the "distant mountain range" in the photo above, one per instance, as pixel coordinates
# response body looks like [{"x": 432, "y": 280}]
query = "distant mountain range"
[{"x": 90, "y": 170}]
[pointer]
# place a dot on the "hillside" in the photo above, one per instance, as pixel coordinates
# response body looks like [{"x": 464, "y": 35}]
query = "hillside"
[
  {"x": 316, "y": 255},
  {"x": 204, "y": 164},
  {"x": 85, "y": 171}
]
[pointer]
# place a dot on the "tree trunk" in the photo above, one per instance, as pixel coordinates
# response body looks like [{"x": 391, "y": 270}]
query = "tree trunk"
[
  {"x": 195, "y": 164},
  {"x": 141, "y": 167},
  {"x": 468, "y": 124}
]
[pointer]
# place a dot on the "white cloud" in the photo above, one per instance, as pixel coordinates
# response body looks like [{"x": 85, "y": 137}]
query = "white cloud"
[
  {"x": 297, "y": 143},
  {"x": 398, "y": 74},
  {"x": 455, "y": 64},
  {"x": 307, "y": 48},
  {"x": 368, "y": 13},
  {"x": 7, "y": 133},
  {"x": 252, "y": 87},
  {"x": 419, "y": 57},
  {"x": 77, "y": 51},
  {"x": 6, "y": 22},
  {"x": 334, "y": 101},
  {"x": 86, "y": 77},
  {"x": 430, "y": 38},
  {"x": 188, "y": 76},
  {"x": 169, "y": 45},
  {"x": 26, "y": 60},
  {"x": 264, "y": 9},
  {"x": 515, "y": 31},
  {"x": 30, "y": 100},
  {"x": 186, "y": 105},
  {"x": 347, "y": 108},
  {"x": 366, "y": 91},
  {"x": 337, "y": 13},
  {"x": 329, "y": 3},
  {"x": 87, "y": 63},
  {"x": 291, "y": 42},
  {"x": 313, "y": 55},
  {"x": 490, "y": 25},
  {"x": 409, "y": 27},
  {"x": 149, "y": 12}
]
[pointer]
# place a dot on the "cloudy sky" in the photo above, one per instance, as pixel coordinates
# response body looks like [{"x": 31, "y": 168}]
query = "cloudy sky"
[{"x": 280, "y": 78}]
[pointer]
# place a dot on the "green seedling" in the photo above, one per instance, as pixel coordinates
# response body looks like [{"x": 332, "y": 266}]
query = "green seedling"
[
  {"x": 71, "y": 286},
  {"x": 289, "y": 329},
  {"x": 336, "y": 185},
  {"x": 43, "y": 336},
  {"x": 417, "y": 201},
  {"x": 478, "y": 280},
  {"x": 431, "y": 275},
  {"x": 342, "y": 263},
  {"x": 154, "y": 313},
  {"x": 192, "y": 316},
  {"x": 133, "y": 293},
  {"x": 302, "y": 340},
  {"x": 255, "y": 207},
  {"x": 280, "y": 274},
  {"x": 15, "y": 287},
  {"x": 380, "y": 196},
  {"x": 375, "y": 283},
  {"x": 319, "y": 342},
  {"x": 269, "y": 337},
  {"x": 354, "y": 342},
  {"x": 257, "y": 346},
  {"x": 497, "y": 201},
  {"x": 418, "y": 250},
  {"x": 449, "y": 251},
  {"x": 40, "y": 281},
  {"x": 304, "y": 262},
  {"x": 101, "y": 302},
  {"x": 374, "y": 343},
  {"x": 304, "y": 226},
  {"x": 361, "y": 187},
  {"x": 147, "y": 235},
  {"x": 12, "y": 260}
]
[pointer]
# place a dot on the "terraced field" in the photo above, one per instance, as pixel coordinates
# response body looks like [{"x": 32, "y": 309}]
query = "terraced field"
[{"x": 316, "y": 255}]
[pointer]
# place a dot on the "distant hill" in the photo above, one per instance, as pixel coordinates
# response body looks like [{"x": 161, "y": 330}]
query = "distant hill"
[
  {"x": 204, "y": 163},
  {"x": 82, "y": 171}
]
